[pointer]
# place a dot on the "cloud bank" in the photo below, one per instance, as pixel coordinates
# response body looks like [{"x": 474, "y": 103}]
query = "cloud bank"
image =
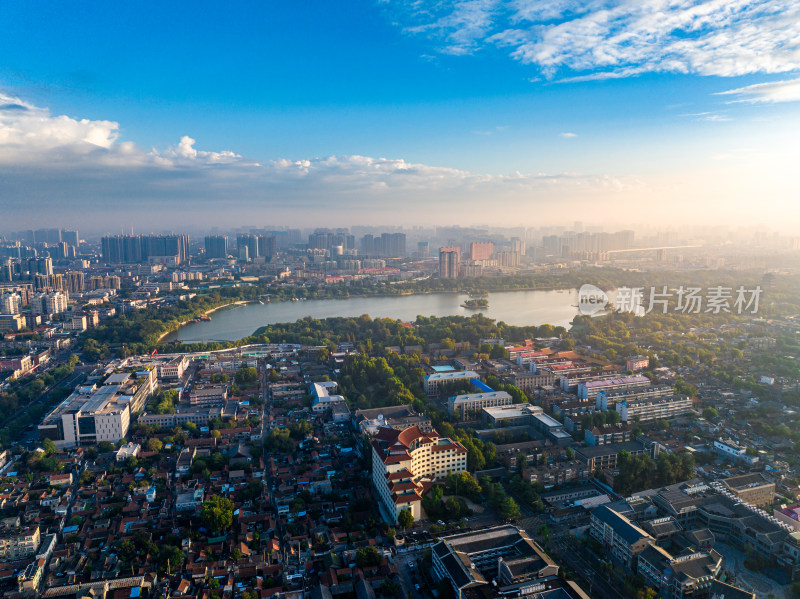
[
  {"x": 596, "y": 39},
  {"x": 58, "y": 167}
]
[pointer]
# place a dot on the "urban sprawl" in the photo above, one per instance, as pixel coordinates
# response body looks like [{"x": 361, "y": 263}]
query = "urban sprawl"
[{"x": 451, "y": 456}]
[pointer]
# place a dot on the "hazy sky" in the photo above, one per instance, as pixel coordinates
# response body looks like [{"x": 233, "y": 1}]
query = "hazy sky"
[{"x": 169, "y": 114}]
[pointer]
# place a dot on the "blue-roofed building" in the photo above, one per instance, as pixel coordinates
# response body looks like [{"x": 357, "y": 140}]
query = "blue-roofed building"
[
  {"x": 621, "y": 537},
  {"x": 481, "y": 386}
]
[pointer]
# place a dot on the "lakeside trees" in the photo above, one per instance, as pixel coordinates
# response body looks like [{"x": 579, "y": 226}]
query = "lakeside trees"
[{"x": 372, "y": 334}]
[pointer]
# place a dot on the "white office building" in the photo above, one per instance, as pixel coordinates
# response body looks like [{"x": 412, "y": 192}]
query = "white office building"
[{"x": 88, "y": 416}]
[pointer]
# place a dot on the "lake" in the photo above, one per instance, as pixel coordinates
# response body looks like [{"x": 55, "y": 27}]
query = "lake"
[{"x": 519, "y": 308}]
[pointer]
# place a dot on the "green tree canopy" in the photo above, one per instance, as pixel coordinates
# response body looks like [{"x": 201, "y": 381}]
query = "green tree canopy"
[
  {"x": 217, "y": 513},
  {"x": 368, "y": 557},
  {"x": 405, "y": 519},
  {"x": 245, "y": 375}
]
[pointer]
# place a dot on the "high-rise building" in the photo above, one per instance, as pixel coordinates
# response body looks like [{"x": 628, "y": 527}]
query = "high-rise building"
[
  {"x": 51, "y": 282},
  {"x": 109, "y": 282},
  {"x": 157, "y": 246},
  {"x": 391, "y": 245},
  {"x": 320, "y": 239},
  {"x": 47, "y": 236},
  {"x": 216, "y": 246},
  {"x": 368, "y": 245},
  {"x": 267, "y": 246},
  {"x": 481, "y": 250},
  {"x": 60, "y": 250},
  {"x": 449, "y": 262},
  {"x": 508, "y": 258},
  {"x": 43, "y": 266},
  {"x": 74, "y": 280},
  {"x": 54, "y": 302},
  {"x": 6, "y": 272},
  {"x": 119, "y": 249},
  {"x": 10, "y": 303},
  {"x": 394, "y": 244},
  {"x": 252, "y": 243},
  {"x": 400, "y": 459},
  {"x": 423, "y": 249},
  {"x": 283, "y": 238},
  {"x": 24, "y": 290},
  {"x": 71, "y": 238}
]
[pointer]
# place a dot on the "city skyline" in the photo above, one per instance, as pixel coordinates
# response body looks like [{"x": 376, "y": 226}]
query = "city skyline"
[{"x": 399, "y": 112}]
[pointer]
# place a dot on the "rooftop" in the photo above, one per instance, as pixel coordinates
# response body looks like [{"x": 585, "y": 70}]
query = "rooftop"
[
  {"x": 512, "y": 411},
  {"x": 480, "y": 396},
  {"x": 547, "y": 421},
  {"x": 746, "y": 481},
  {"x": 451, "y": 376},
  {"x": 626, "y": 380},
  {"x": 594, "y": 451},
  {"x": 88, "y": 400},
  {"x": 621, "y": 525}
]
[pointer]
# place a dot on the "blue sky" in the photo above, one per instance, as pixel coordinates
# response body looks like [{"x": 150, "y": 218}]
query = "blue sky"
[{"x": 400, "y": 111}]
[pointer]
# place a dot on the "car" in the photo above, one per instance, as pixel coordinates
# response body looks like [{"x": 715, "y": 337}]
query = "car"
[{"x": 440, "y": 522}]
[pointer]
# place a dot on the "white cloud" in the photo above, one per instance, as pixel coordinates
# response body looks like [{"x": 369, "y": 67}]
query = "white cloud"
[
  {"x": 59, "y": 165},
  {"x": 595, "y": 39},
  {"x": 776, "y": 91},
  {"x": 28, "y": 129},
  {"x": 186, "y": 149},
  {"x": 707, "y": 116},
  {"x": 568, "y": 135},
  {"x": 76, "y": 172},
  {"x": 463, "y": 27}
]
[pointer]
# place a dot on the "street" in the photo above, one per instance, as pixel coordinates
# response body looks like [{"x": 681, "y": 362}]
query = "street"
[
  {"x": 594, "y": 583},
  {"x": 407, "y": 568}
]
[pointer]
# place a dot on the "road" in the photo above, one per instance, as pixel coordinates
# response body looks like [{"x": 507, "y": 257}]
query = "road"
[
  {"x": 407, "y": 568},
  {"x": 595, "y": 584},
  {"x": 32, "y": 436}
]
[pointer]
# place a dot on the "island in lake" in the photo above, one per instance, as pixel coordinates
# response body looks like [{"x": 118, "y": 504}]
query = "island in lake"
[{"x": 476, "y": 303}]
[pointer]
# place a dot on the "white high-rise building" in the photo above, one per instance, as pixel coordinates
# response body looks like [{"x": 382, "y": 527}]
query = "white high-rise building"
[
  {"x": 9, "y": 303},
  {"x": 49, "y": 303}
]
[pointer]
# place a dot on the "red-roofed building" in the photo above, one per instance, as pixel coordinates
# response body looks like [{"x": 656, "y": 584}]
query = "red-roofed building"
[{"x": 402, "y": 460}]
